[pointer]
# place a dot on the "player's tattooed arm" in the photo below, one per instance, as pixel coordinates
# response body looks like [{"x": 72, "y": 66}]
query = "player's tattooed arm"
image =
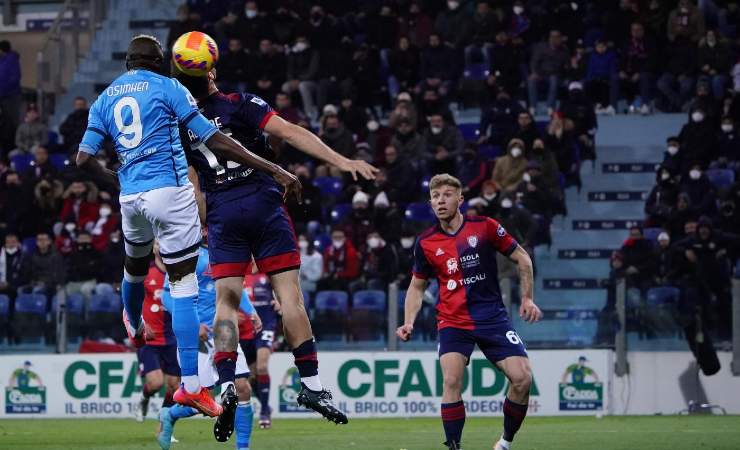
[
  {"x": 225, "y": 336},
  {"x": 88, "y": 163},
  {"x": 310, "y": 144},
  {"x": 528, "y": 310}
]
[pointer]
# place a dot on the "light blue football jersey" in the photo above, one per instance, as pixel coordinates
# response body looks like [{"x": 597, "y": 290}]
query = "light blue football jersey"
[
  {"x": 206, "y": 292},
  {"x": 140, "y": 111}
]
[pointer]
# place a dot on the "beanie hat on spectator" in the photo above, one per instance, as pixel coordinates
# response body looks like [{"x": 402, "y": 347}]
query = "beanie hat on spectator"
[
  {"x": 360, "y": 198},
  {"x": 381, "y": 200},
  {"x": 330, "y": 110}
]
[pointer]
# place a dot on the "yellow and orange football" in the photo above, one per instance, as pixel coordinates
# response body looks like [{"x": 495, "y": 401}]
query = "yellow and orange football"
[{"x": 195, "y": 53}]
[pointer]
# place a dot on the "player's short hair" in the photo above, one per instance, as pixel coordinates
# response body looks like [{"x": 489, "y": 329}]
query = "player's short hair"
[
  {"x": 444, "y": 179},
  {"x": 144, "y": 52}
]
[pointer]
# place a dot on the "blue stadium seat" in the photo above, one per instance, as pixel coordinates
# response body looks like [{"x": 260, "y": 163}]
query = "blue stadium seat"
[
  {"x": 322, "y": 242},
  {"x": 469, "y": 131},
  {"x": 664, "y": 295},
  {"x": 4, "y": 306},
  {"x": 340, "y": 211},
  {"x": 31, "y": 304},
  {"x": 369, "y": 300},
  {"x": 489, "y": 151},
  {"x": 75, "y": 304},
  {"x": 332, "y": 301},
  {"x": 329, "y": 185},
  {"x": 29, "y": 245},
  {"x": 331, "y": 309},
  {"x": 721, "y": 178},
  {"x": 110, "y": 303},
  {"x": 477, "y": 72},
  {"x": 59, "y": 161},
  {"x": 425, "y": 183},
  {"x": 652, "y": 233},
  {"x": 419, "y": 212},
  {"x": 22, "y": 162}
]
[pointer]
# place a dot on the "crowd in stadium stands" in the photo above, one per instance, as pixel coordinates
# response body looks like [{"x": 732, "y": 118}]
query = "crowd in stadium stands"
[{"x": 382, "y": 81}]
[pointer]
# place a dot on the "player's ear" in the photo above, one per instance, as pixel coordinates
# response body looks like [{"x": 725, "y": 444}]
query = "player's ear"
[{"x": 212, "y": 75}]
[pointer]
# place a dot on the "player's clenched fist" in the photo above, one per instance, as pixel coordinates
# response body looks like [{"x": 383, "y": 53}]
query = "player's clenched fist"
[
  {"x": 404, "y": 332},
  {"x": 529, "y": 311}
]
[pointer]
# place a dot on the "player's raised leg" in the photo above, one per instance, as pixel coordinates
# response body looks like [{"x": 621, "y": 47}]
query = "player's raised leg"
[
  {"x": 453, "y": 409},
  {"x": 519, "y": 373},
  {"x": 300, "y": 337}
]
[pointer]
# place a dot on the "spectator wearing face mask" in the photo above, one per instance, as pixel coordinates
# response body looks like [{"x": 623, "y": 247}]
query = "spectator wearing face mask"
[
  {"x": 715, "y": 60},
  {"x": 14, "y": 266},
  {"x": 107, "y": 222},
  {"x": 112, "y": 260},
  {"x": 662, "y": 198},
  {"x": 341, "y": 263},
  {"x": 728, "y": 214},
  {"x": 401, "y": 177},
  {"x": 408, "y": 142},
  {"x": 509, "y": 168},
  {"x": 335, "y": 134},
  {"x": 666, "y": 261},
  {"x": 498, "y": 120},
  {"x": 405, "y": 252},
  {"x": 454, "y": 24},
  {"x": 488, "y": 202},
  {"x": 698, "y": 139},
  {"x": 379, "y": 264},
  {"x": 84, "y": 266},
  {"x": 358, "y": 223},
  {"x": 303, "y": 69},
  {"x": 444, "y": 144},
  {"x": 673, "y": 158},
  {"x": 526, "y": 129},
  {"x": 700, "y": 190},
  {"x": 704, "y": 101},
  {"x": 517, "y": 221},
  {"x": 312, "y": 265},
  {"x": 728, "y": 145},
  {"x": 80, "y": 206},
  {"x": 47, "y": 268},
  {"x": 548, "y": 164}
]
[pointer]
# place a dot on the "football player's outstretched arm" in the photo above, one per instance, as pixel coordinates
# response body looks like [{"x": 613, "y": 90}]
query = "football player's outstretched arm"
[
  {"x": 414, "y": 296},
  {"x": 310, "y": 144},
  {"x": 231, "y": 150},
  {"x": 528, "y": 310}
]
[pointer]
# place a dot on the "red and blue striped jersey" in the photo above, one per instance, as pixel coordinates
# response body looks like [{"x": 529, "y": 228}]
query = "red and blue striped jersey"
[
  {"x": 154, "y": 313},
  {"x": 465, "y": 266}
]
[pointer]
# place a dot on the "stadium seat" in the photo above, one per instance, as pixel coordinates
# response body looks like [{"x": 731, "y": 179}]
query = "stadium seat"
[
  {"x": 469, "y": 131},
  {"x": 425, "y": 184},
  {"x": 489, "y": 151},
  {"x": 721, "y": 178},
  {"x": 340, "y": 211},
  {"x": 322, "y": 242},
  {"x": 29, "y": 245},
  {"x": 329, "y": 185},
  {"x": 367, "y": 319},
  {"x": 22, "y": 162},
  {"x": 330, "y": 315},
  {"x": 419, "y": 212},
  {"x": 59, "y": 161},
  {"x": 476, "y": 72},
  {"x": 651, "y": 234},
  {"x": 104, "y": 316},
  {"x": 75, "y": 306},
  {"x": 30, "y": 317}
]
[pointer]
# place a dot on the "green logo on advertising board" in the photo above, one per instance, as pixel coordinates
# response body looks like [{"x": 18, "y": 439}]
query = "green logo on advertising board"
[
  {"x": 580, "y": 388},
  {"x": 288, "y": 392},
  {"x": 25, "y": 393},
  {"x": 480, "y": 377},
  {"x": 83, "y": 379}
]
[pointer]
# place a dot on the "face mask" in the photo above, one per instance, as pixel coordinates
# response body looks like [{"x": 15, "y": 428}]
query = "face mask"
[
  {"x": 105, "y": 212},
  {"x": 11, "y": 251},
  {"x": 303, "y": 245},
  {"x": 527, "y": 178},
  {"x": 695, "y": 174},
  {"x": 516, "y": 152},
  {"x": 453, "y": 5},
  {"x": 663, "y": 237},
  {"x": 373, "y": 125},
  {"x": 574, "y": 6},
  {"x": 672, "y": 150},
  {"x": 518, "y": 10},
  {"x": 506, "y": 203},
  {"x": 407, "y": 242},
  {"x": 373, "y": 242},
  {"x": 299, "y": 47},
  {"x": 337, "y": 243},
  {"x": 697, "y": 116},
  {"x": 665, "y": 175},
  {"x": 251, "y": 13},
  {"x": 70, "y": 227},
  {"x": 435, "y": 130},
  {"x": 727, "y": 127},
  {"x": 490, "y": 197}
]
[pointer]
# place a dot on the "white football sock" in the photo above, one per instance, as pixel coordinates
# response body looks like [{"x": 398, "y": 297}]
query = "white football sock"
[
  {"x": 191, "y": 383},
  {"x": 313, "y": 383}
]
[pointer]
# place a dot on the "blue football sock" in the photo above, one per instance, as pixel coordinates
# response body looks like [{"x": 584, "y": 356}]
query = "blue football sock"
[
  {"x": 243, "y": 424},
  {"x": 132, "y": 294},
  {"x": 181, "y": 412},
  {"x": 185, "y": 324}
]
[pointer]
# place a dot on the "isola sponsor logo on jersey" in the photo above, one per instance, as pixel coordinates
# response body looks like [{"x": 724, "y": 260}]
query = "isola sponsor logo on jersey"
[
  {"x": 25, "y": 393},
  {"x": 580, "y": 388}
]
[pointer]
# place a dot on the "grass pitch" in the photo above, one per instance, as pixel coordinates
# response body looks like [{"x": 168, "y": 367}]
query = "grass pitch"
[{"x": 538, "y": 433}]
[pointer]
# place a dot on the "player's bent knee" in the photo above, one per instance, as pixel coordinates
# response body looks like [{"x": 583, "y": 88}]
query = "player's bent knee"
[
  {"x": 243, "y": 389},
  {"x": 136, "y": 267},
  {"x": 181, "y": 269}
]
